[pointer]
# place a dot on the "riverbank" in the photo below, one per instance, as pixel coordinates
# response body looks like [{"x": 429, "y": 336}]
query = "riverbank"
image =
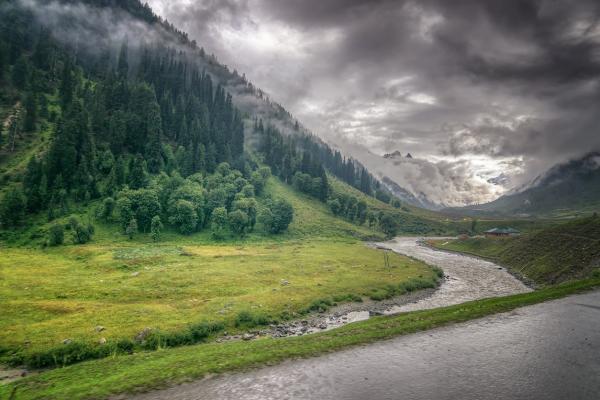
[
  {"x": 556, "y": 342},
  {"x": 145, "y": 371}
]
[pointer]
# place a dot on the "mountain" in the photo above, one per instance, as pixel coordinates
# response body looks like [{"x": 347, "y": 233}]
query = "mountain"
[
  {"x": 105, "y": 103},
  {"x": 564, "y": 189},
  {"x": 420, "y": 200}
]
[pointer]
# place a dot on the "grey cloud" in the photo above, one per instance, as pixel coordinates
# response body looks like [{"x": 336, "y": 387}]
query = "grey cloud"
[{"x": 482, "y": 79}]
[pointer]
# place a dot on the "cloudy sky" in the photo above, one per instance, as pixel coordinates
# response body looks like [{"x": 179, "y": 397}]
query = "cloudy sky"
[{"x": 473, "y": 89}]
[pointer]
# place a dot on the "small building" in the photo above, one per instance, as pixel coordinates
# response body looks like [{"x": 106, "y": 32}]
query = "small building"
[{"x": 502, "y": 232}]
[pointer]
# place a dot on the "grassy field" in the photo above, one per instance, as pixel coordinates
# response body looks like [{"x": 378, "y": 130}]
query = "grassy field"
[
  {"x": 52, "y": 294},
  {"x": 143, "y": 371},
  {"x": 555, "y": 254}
]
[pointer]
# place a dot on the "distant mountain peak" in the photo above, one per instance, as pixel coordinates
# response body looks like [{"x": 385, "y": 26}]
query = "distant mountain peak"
[{"x": 395, "y": 154}]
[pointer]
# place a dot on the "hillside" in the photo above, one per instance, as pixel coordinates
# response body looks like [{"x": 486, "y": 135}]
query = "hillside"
[
  {"x": 136, "y": 196},
  {"x": 551, "y": 255},
  {"x": 150, "y": 128},
  {"x": 564, "y": 190}
]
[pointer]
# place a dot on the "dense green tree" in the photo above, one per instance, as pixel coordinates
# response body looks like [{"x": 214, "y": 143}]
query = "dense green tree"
[
  {"x": 56, "y": 235},
  {"x": 277, "y": 216},
  {"x": 20, "y": 73},
  {"x": 132, "y": 228},
  {"x": 156, "y": 228},
  {"x": 12, "y": 208},
  {"x": 108, "y": 208},
  {"x": 194, "y": 194},
  {"x": 81, "y": 233},
  {"x": 249, "y": 206},
  {"x": 138, "y": 175},
  {"x": 388, "y": 224},
  {"x": 334, "y": 206},
  {"x": 218, "y": 224},
  {"x": 238, "y": 222},
  {"x": 30, "y": 106},
  {"x": 183, "y": 216},
  {"x": 33, "y": 189}
]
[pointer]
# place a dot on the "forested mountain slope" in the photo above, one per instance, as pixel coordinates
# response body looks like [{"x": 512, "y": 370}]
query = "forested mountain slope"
[{"x": 105, "y": 104}]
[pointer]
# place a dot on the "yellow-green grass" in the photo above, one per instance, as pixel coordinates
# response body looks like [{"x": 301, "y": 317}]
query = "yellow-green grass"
[
  {"x": 59, "y": 293},
  {"x": 143, "y": 371}
]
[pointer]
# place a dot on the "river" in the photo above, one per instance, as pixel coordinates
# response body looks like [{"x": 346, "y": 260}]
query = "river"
[{"x": 546, "y": 351}]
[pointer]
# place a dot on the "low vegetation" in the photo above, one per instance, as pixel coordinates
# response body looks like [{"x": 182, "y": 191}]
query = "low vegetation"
[
  {"x": 144, "y": 371},
  {"x": 554, "y": 254},
  {"x": 60, "y": 294}
]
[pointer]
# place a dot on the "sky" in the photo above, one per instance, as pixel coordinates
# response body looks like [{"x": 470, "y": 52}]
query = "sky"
[{"x": 484, "y": 94}]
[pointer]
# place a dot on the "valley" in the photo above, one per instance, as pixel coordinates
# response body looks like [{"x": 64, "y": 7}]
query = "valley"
[{"x": 169, "y": 230}]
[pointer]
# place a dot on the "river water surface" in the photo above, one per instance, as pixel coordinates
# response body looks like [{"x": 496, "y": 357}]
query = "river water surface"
[
  {"x": 468, "y": 278},
  {"x": 548, "y": 351}
]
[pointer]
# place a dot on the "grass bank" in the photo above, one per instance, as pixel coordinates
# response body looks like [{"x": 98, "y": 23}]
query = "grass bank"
[
  {"x": 551, "y": 255},
  {"x": 150, "y": 370}
]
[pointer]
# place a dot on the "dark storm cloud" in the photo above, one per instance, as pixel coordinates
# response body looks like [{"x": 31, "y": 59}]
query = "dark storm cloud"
[{"x": 494, "y": 84}]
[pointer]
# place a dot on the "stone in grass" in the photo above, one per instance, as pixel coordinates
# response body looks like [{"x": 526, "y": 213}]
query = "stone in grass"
[
  {"x": 67, "y": 341},
  {"x": 284, "y": 282},
  {"x": 99, "y": 328},
  {"x": 143, "y": 334},
  {"x": 102, "y": 341},
  {"x": 136, "y": 273},
  {"x": 248, "y": 336}
]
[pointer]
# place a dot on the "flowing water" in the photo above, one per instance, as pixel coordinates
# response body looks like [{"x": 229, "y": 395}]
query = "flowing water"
[
  {"x": 547, "y": 351},
  {"x": 467, "y": 278}
]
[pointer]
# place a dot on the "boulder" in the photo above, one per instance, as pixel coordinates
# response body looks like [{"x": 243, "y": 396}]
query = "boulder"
[
  {"x": 143, "y": 334},
  {"x": 248, "y": 336}
]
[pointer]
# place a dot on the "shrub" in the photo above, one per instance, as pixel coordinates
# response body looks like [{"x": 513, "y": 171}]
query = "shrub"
[
  {"x": 218, "y": 223},
  {"x": 108, "y": 208},
  {"x": 249, "y": 320},
  {"x": 238, "y": 221},
  {"x": 184, "y": 216},
  {"x": 155, "y": 228},
  {"x": 81, "y": 233},
  {"x": 319, "y": 305},
  {"x": 132, "y": 228},
  {"x": 278, "y": 216},
  {"x": 56, "y": 235}
]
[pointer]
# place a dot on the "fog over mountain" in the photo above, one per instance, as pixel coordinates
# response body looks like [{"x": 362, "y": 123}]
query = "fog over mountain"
[{"x": 484, "y": 94}]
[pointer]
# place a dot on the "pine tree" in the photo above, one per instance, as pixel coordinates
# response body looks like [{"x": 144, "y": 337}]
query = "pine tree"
[
  {"x": 132, "y": 228},
  {"x": 67, "y": 85},
  {"x": 123, "y": 66},
  {"x": 20, "y": 73},
  {"x": 30, "y": 112}
]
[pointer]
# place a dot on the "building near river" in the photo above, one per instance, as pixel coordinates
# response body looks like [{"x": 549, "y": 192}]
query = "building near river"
[{"x": 502, "y": 232}]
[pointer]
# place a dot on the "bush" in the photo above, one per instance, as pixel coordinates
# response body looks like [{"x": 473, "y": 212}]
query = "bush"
[
  {"x": 238, "y": 221},
  {"x": 249, "y": 320},
  {"x": 347, "y": 297},
  {"x": 184, "y": 216},
  {"x": 81, "y": 233},
  {"x": 319, "y": 305},
  {"x": 218, "y": 223},
  {"x": 132, "y": 228},
  {"x": 56, "y": 235},
  {"x": 155, "y": 228},
  {"x": 278, "y": 216},
  {"x": 108, "y": 208}
]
